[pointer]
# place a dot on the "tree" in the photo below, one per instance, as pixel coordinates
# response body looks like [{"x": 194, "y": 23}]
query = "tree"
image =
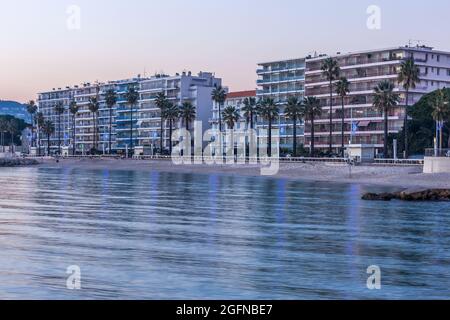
[
  {"x": 94, "y": 106},
  {"x": 294, "y": 111},
  {"x": 312, "y": 110},
  {"x": 59, "y": 110},
  {"x": 172, "y": 114},
  {"x": 269, "y": 111},
  {"x": 110, "y": 100},
  {"x": 3, "y": 130},
  {"x": 249, "y": 110},
  {"x": 440, "y": 114},
  {"x": 48, "y": 128},
  {"x": 13, "y": 128},
  {"x": 219, "y": 96},
  {"x": 385, "y": 99},
  {"x": 231, "y": 116},
  {"x": 342, "y": 89},
  {"x": 39, "y": 122},
  {"x": 132, "y": 97},
  {"x": 330, "y": 70},
  {"x": 408, "y": 77},
  {"x": 32, "y": 109},
  {"x": 187, "y": 113},
  {"x": 161, "y": 102},
  {"x": 73, "y": 109}
]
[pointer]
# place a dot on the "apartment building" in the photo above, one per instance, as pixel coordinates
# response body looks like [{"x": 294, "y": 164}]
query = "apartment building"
[
  {"x": 363, "y": 123},
  {"x": 146, "y": 117},
  {"x": 280, "y": 80}
]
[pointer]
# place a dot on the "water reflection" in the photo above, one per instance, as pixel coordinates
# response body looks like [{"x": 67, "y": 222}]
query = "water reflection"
[{"x": 165, "y": 235}]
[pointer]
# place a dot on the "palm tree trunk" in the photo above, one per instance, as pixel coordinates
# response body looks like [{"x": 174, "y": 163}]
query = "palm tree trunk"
[
  {"x": 295, "y": 137},
  {"x": 110, "y": 130},
  {"x": 386, "y": 133},
  {"x": 170, "y": 137},
  {"x": 312, "y": 137},
  {"x": 162, "y": 136},
  {"x": 405, "y": 125},
  {"x": 131, "y": 132},
  {"x": 269, "y": 146},
  {"x": 342, "y": 128},
  {"x": 93, "y": 133},
  {"x": 73, "y": 137},
  {"x": 59, "y": 134},
  {"x": 32, "y": 131},
  {"x": 441, "y": 138},
  {"x": 48, "y": 145},
  {"x": 331, "y": 118}
]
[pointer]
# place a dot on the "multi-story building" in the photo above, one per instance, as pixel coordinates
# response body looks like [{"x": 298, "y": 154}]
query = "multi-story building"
[
  {"x": 363, "y": 123},
  {"x": 178, "y": 89},
  {"x": 280, "y": 80},
  {"x": 146, "y": 117}
]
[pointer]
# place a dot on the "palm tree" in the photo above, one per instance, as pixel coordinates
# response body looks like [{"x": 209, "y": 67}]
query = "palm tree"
[
  {"x": 312, "y": 110},
  {"x": 269, "y": 111},
  {"x": 73, "y": 109},
  {"x": 110, "y": 100},
  {"x": 12, "y": 127},
  {"x": 3, "y": 129},
  {"x": 385, "y": 99},
  {"x": 440, "y": 113},
  {"x": 94, "y": 106},
  {"x": 408, "y": 77},
  {"x": 231, "y": 115},
  {"x": 59, "y": 110},
  {"x": 132, "y": 97},
  {"x": 32, "y": 109},
  {"x": 48, "y": 128},
  {"x": 172, "y": 114},
  {"x": 294, "y": 111},
  {"x": 161, "y": 102},
  {"x": 342, "y": 89},
  {"x": 330, "y": 70},
  {"x": 187, "y": 113},
  {"x": 39, "y": 122},
  {"x": 249, "y": 110},
  {"x": 219, "y": 96}
]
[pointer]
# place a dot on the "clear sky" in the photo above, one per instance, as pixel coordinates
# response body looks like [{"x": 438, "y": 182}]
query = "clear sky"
[{"x": 120, "y": 39}]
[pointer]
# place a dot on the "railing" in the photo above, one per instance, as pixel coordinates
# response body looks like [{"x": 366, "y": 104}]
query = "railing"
[
  {"x": 442, "y": 153},
  {"x": 400, "y": 162}
]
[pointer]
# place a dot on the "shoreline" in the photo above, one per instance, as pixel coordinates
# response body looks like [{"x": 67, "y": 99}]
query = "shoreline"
[{"x": 400, "y": 177}]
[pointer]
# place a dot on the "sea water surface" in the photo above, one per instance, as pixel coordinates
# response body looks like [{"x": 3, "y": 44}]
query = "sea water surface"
[{"x": 154, "y": 235}]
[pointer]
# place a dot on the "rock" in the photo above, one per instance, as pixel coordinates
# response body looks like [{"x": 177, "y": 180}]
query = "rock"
[
  {"x": 411, "y": 195},
  {"x": 14, "y": 162}
]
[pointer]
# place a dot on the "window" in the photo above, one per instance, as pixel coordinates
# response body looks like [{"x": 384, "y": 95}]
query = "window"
[
  {"x": 448, "y": 72},
  {"x": 438, "y": 71},
  {"x": 438, "y": 58}
]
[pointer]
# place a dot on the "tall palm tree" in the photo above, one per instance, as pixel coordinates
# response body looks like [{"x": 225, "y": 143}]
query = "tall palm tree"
[
  {"x": 32, "y": 109},
  {"x": 161, "y": 102},
  {"x": 408, "y": 77},
  {"x": 39, "y": 122},
  {"x": 48, "y": 128},
  {"x": 231, "y": 116},
  {"x": 13, "y": 128},
  {"x": 441, "y": 112},
  {"x": 110, "y": 100},
  {"x": 312, "y": 110},
  {"x": 294, "y": 111},
  {"x": 73, "y": 109},
  {"x": 331, "y": 71},
  {"x": 59, "y": 110},
  {"x": 385, "y": 99},
  {"x": 219, "y": 96},
  {"x": 3, "y": 129},
  {"x": 172, "y": 114},
  {"x": 249, "y": 110},
  {"x": 269, "y": 111},
  {"x": 187, "y": 113},
  {"x": 94, "y": 106},
  {"x": 132, "y": 97},
  {"x": 342, "y": 89}
]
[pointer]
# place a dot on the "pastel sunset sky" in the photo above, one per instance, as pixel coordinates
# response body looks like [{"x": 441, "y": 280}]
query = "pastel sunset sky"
[{"x": 119, "y": 39}]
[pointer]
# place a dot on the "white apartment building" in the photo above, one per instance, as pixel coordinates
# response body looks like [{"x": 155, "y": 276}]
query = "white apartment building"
[{"x": 364, "y": 70}]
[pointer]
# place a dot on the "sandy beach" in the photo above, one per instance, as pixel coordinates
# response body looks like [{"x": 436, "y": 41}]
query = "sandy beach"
[{"x": 400, "y": 176}]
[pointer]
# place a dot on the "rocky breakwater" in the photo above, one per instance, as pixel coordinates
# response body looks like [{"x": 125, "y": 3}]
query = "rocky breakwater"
[
  {"x": 411, "y": 195},
  {"x": 16, "y": 162}
]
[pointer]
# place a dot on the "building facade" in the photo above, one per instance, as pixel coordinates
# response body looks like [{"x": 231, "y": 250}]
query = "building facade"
[
  {"x": 280, "y": 80},
  {"x": 146, "y": 117},
  {"x": 364, "y": 124}
]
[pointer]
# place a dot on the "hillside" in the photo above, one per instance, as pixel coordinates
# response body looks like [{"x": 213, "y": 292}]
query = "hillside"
[{"x": 14, "y": 109}]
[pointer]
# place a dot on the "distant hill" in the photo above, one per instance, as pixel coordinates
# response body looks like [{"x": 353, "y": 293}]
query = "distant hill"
[{"x": 15, "y": 109}]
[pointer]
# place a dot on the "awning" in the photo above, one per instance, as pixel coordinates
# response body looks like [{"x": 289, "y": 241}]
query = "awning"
[{"x": 363, "y": 124}]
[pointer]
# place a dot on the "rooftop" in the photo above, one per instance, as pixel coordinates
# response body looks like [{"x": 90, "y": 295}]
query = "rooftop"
[{"x": 241, "y": 94}]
